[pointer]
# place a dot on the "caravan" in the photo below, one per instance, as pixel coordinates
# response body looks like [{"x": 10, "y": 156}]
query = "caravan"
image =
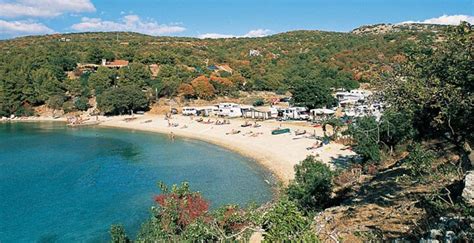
[
  {"x": 229, "y": 110},
  {"x": 295, "y": 113},
  {"x": 189, "y": 111}
]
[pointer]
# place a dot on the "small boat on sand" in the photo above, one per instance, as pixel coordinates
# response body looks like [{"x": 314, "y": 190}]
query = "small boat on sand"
[{"x": 280, "y": 131}]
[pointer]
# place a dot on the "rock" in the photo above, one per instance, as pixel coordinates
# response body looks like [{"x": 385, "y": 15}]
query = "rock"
[
  {"x": 468, "y": 191},
  {"x": 471, "y": 158},
  {"x": 449, "y": 237},
  {"x": 435, "y": 233}
]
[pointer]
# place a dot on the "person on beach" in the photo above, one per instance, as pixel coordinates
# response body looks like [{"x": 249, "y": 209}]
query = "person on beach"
[{"x": 171, "y": 136}]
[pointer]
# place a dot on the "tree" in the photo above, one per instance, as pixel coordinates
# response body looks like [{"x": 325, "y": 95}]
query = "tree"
[
  {"x": 96, "y": 54},
  {"x": 366, "y": 133},
  {"x": 436, "y": 84},
  {"x": 312, "y": 186},
  {"x": 186, "y": 90},
  {"x": 135, "y": 74},
  {"x": 396, "y": 128},
  {"x": 101, "y": 80},
  {"x": 203, "y": 88},
  {"x": 46, "y": 84},
  {"x": 223, "y": 86},
  {"x": 170, "y": 78},
  {"x": 120, "y": 100},
  {"x": 82, "y": 103},
  {"x": 73, "y": 86},
  {"x": 55, "y": 102},
  {"x": 312, "y": 94}
]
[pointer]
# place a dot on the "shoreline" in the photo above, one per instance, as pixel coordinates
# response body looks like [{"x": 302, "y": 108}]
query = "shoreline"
[{"x": 278, "y": 154}]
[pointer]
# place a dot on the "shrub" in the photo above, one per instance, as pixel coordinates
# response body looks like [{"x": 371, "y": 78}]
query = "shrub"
[
  {"x": 82, "y": 103},
  {"x": 120, "y": 100},
  {"x": 419, "y": 160},
  {"x": 200, "y": 231},
  {"x": 312, "y": 186},
  {"x": 203, "y": 88},
  {"x": 396, "y": 128},
  {"x": 258, "y": 102},
  {"x": 312, "y": 94},
  {"x": 365, "y": 132},
  {"x": 68, "y": 106},
  {"x": 179, "y": 207},
  {"x": 284, "y": 222},
  {"x": 117, "y": 233},
  {"x": 55, "y": 102}
]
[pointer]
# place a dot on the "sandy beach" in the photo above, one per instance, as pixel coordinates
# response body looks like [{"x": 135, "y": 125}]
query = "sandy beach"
[{"x": 278, "y": 153}]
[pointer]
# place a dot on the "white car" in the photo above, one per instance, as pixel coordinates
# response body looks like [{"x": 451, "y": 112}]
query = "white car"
[{"x": 189, "y": 111}]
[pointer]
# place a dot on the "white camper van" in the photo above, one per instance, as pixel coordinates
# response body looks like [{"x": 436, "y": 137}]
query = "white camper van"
[
  {"x": 295, "y": 113},
  {"x": 229, "y": 110}
]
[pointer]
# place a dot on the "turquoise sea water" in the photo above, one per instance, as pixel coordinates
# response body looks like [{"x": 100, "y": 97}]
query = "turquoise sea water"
[{"x": 60, "y": 184}]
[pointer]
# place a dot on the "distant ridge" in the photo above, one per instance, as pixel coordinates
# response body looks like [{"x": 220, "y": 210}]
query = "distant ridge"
[{"x": 391, "y": 28}]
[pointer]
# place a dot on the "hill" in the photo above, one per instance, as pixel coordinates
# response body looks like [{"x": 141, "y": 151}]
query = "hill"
[
  {"x": 403, "y": 27},
  {"x": 272, "y": 63}
]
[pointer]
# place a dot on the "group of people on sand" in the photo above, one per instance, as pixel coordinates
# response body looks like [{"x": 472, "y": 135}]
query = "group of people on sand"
[
  {"x": 172, "y": 124},
  {"x": 248, "y": 124},
  {"x": 218, "y": 122},
  {"x": 223, "y": 122}
]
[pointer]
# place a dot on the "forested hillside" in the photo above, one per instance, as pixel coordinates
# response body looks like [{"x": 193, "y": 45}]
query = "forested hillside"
[{"x": 34, "y": 70}]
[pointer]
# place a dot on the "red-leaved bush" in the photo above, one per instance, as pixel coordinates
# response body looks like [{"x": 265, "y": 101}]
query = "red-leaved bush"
[{"x": 187, "y": 207}]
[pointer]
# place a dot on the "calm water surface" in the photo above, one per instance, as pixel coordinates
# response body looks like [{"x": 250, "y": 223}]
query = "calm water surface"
[{"x": 60, "y": 184}]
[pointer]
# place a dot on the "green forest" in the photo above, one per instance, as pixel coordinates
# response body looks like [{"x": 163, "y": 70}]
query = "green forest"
[{"x": 34, "y": 70}]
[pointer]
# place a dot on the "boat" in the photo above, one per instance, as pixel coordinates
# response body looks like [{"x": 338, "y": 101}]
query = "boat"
[
  {"x": 280, "y": 131},
  {"x": 299, "y": 133}
]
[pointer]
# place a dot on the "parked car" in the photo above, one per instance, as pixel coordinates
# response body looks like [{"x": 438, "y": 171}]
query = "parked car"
[{"x": 189, "y": 111}]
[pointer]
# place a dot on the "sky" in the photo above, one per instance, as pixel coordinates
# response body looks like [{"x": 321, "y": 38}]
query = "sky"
[{"x": 219, "y": 18}]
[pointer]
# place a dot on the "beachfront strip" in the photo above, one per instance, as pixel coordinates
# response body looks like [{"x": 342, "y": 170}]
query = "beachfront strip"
[{"x": 278, "y": 152}]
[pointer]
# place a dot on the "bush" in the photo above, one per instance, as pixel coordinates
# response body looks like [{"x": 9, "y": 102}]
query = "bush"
[
  {"x": 68, "y": 106},
  {"x": 122, "y": 100},
  {"x": 117, "y": 233},
  {"x": 312, "y": 186},
  {"x": 82, "y": 103},
  {"x": 312, "y": 94},
  {"x": 258, "y": 102},
  {"x": 284, "y": 222},
  {"x": 419, "y": 160},
  {"x": 55, "y": 102},
  {"x": 365, "y": 132},
  {"x": 22, "y": 111},
  {"x": 396, "y": 128},
  {"x": 179, "y": 213}
]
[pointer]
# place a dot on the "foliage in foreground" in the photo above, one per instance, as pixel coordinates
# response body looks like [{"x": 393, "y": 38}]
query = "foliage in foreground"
[
  {"x": 312, "y": 187},
  {"x": 419, "y": 161},
  {"x": 183, "y": 215},
  {"x": 285, "y": 222}
]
